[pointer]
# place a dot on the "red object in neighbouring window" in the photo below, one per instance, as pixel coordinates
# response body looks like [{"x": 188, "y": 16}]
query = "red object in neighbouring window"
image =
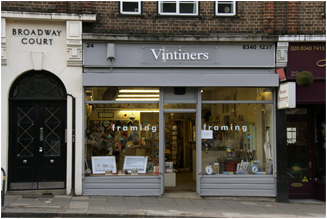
[{"x": 281, "y": 74}]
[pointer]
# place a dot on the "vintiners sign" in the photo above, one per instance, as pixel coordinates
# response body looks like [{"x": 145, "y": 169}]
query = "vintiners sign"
[{"x": 309, "y": 57}]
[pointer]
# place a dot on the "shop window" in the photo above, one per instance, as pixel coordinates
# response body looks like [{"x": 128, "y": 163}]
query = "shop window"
[
  {"x": 130, "y": 7},
  {"x": 230, "y": 94},
  {"x": 178, "y": 8},
  {"x": 122, "y": 135},
  {"x": 122, "y": 131},
  {"x": 237, "y": 139},
  {"x": 225, "y": 8}
]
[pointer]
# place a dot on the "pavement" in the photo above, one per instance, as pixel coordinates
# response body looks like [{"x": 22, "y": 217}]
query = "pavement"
[{"x": 168, "y": 206}]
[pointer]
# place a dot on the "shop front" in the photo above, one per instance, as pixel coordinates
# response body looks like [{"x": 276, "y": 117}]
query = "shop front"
[
  {"x": 162, "y": 118},
  {"x": 306, "y": 135}
]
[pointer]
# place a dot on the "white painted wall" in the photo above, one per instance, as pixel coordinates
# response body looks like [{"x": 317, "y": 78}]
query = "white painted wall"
[{"x": 19, "y": 61}]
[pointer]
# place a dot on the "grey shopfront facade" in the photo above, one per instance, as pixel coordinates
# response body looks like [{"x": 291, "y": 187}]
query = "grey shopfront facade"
[{"x": 194, "y": 67}]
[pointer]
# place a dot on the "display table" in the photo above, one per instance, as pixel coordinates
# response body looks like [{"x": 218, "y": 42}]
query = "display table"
[{"x": 170, "y": 179}]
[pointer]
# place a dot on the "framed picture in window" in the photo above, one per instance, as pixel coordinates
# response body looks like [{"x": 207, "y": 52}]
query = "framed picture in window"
[
  {"x": 101, "y": 164},
  {"x": 135, "y": 162}
]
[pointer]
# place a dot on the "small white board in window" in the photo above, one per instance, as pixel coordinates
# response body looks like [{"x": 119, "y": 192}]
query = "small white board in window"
[{"x": 101, "y": 164}]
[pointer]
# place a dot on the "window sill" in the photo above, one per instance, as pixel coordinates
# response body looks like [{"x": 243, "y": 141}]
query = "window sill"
[
  {"x": 228, "y": 16},
  {"x": 130, "y": 15},
  {"x": 186, "y": 16}
]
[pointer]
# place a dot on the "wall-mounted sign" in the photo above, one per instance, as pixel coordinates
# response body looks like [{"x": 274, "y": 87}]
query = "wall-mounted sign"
[
  {"x": 26, "y": 36},
  {"x": 307, "y": 57},
  {"x": 287, "y": 95},
  {"x": 180, "y": 55},
  {"x": 36, "y": 36}
]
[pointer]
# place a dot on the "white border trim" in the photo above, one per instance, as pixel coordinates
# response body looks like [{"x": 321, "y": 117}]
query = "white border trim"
[
  {"x": 48, "y": 16},
  {"x": 302, "y": 38}
]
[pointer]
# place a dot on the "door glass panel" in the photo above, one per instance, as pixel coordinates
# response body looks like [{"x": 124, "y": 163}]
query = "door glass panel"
[
  {"x": 179, "y": 106},
  {"x": 297, "y": 149},
  {"x": 25, "y": 131},
  {"x": 320, "y": 121},
  {"x": 52, "y": 131},
  {"x": 296, "y": 111}
]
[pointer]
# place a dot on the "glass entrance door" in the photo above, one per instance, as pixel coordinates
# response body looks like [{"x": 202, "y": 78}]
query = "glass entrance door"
[
  {"x": 299, "y": 167},
  {"x": 180, "y": 152}
]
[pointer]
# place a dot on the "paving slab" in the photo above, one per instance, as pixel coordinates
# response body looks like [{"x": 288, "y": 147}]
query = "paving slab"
[
  {"x": 78, "y": 204},
  {"x": 97, "y": 206}
]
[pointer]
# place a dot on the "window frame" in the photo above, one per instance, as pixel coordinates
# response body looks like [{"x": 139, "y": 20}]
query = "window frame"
[
  {"x": 226, "y": 14},
  {"x": 177, "y": 13},
  {"x": 121, "y": 12}
]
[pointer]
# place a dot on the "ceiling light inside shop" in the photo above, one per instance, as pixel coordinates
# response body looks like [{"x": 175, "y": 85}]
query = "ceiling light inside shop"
[
  {"x": 138, "y": 95},
  {"x": 138, "y": 91},
  {"x": 140, "y": 111},
  {"x": 137, "y": 99}
]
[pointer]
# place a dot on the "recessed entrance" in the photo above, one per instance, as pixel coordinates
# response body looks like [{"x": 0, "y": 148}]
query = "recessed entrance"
[
  {"x": 180, "y": 150},
  {"x": 37, "y": 148}
]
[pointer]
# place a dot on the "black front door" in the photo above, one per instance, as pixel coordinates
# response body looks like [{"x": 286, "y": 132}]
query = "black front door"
[{"x": 37, "y": 147}]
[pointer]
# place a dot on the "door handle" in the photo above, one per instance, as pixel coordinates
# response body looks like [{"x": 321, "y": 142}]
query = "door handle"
[
  {"x": 41, "y": 133},
  {"x": 310, "y": 164}
]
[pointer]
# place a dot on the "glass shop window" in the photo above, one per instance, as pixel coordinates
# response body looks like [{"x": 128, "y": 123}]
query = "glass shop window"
[
  {"x": 130, "y": 7},
  {"x": 238, "y": 139},
  {"x": 240, "y": 93},
  {"x": 121, "y": 136},
  {"x": 225, "y": 8},
  {"x": 178, "y": 8}
]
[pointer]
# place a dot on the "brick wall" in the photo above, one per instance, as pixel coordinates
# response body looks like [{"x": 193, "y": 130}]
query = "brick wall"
[
  {"x": 273, "y": 17},
  {"x": 310, "y": 17}
]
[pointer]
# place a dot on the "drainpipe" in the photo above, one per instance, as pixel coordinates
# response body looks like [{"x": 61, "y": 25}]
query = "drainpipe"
[
  {"x": 73, "y": 144},
  {"x": 3, "y": 187}
]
